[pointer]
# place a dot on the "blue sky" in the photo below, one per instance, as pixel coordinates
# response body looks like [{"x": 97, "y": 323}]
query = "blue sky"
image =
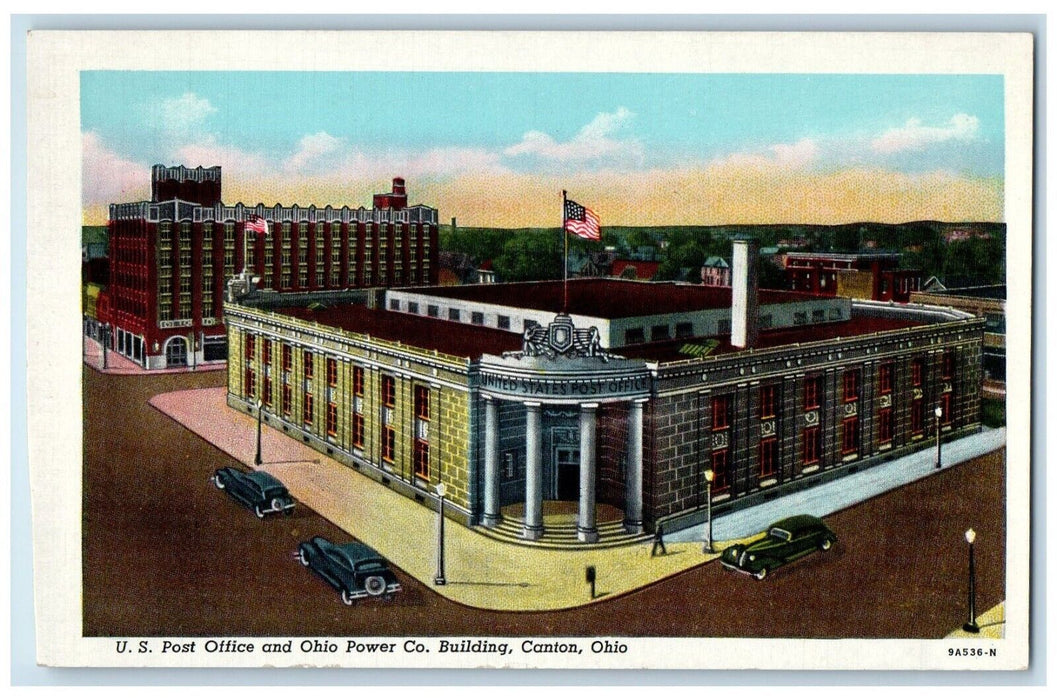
[{"x": 605, "y": 136}]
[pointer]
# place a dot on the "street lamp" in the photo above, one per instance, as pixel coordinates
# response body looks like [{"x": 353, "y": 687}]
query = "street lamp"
[
  {"x": 106, "y": 341},
  {"x": 257, "y": 459},
  {"x": 939, "y": 414},
  {"x": 709, "y": 476},
  {"x": 971, "y": 625},
  {"x": 439, "y": 579}
]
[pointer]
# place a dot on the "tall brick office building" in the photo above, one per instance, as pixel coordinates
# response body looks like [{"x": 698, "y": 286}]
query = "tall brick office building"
[
  {"x": 615, "y": 404},
  {"x": 172, "y": 256}
]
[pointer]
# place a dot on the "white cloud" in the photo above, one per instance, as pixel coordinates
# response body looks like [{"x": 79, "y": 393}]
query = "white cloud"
[
  {"x": 594, "y": 143},
  {"x": 315, "y": 151},
  {"x": 787, "y": 156},
  {"x": 108, "y": 177},
  {"x": 914, "y": 135},
  {"x": 184, "y": 115},
  {"x": 232, "y": 159}
]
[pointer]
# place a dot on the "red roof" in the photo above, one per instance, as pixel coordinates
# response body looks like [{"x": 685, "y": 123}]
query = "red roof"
[
  {"x": 607, "y": 298},
  {"x": 644, "y": 270},
  {"x": 448, "y": 337}
]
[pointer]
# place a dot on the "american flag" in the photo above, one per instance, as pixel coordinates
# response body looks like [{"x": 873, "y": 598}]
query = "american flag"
[
  {"x": 257, "y": 224},
  {"x": 581, "y": 221}
]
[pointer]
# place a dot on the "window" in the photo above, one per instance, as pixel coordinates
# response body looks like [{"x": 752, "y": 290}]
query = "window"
[
  {"x": 720, "y": 471},
  {"x": 412, "y": 307},
  {"x": 266, "y": 352},
  {"x": 851, "y": 385},
  {"x": 946, "y": 403},
  {"x": 287, "y": 399},
  {"x": 250, "y": 382},
  {"x": 477, "y": 318},
  {"x": 388, "y": 443},
  {"x": 251, "y": 347},
  {"x": 885, "y": 375},
  {"x": 267, "y": 390},
  {"x": 634, "y": 336},
  {"x": 332, "y": 372},
  {"x": 659, "y": 333},
  {"x": 720, "y": 412},
  {"x": 310, "y": 366},
  {"x": 768, "y": 457},
  {"x": 768, "y": 401},
  {"x": 917, "y": 417},
  {"x": 948, "y": 365},
  {"x": 812, "y": 393},
  {"x": 849, "y": 436},
  {"x": 394, "y": 304},
  {"x": 800, "y": 318},
  {"x": 503, "y": 322},
  {"x": 288, "y": 358},
  {"x": 884, "y": 426},
  {"x": 421, "y": 459},
  {"x": 453, "y": 314},
  {"x": 812, "y": 445},
  {"x": 357, "y": 381},
  {"x": 308, "y": 408},
  {"x": 835, "y": 314},
  {"x": 917, "y": 371},
  {"x": 422, "y": 402},
  {"x": 818, "y": 315},
  {"x": 684, "y": 330},
  {"x": 388, "y": 391},
  {"x": 432, "y": 310}
]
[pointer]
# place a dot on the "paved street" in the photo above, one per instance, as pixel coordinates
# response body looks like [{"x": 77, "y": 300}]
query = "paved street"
[{"x": 166, "y": 553}]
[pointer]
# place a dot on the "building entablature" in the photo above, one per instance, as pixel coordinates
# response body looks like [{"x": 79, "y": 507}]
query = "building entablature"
[
  {"x": 755, "y": 365},
  {"x": 177, "y": 210},
  {"x": 568, "y": 381}
]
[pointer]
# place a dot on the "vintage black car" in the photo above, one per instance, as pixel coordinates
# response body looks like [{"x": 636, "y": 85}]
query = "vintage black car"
[
  {"x": 786, "y": 540},
  {"x": 257, "y": 490},
  {"x": 354, "y": 569}
]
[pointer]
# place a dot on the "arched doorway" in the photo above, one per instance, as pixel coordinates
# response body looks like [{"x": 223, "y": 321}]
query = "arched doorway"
[{"x": 176, "y": 352}]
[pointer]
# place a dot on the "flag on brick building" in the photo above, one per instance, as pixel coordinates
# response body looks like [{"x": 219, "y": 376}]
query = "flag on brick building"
[
  {"x": 581, "y": 221},
  {"x": 257, "y": 224}
]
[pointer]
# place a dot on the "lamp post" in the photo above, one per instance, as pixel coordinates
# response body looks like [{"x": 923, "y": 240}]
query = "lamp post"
[
  {"x": 971, "y": 625},
  {"x": 439, "y": 579},
  {"x": 709, "y": 476},
  {"x": 939, "y": 414},
  {"x": 106, "y": 341},
  {"x": 257, "y": 459}
]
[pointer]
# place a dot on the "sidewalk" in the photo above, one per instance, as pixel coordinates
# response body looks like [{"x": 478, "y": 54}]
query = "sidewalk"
[
  {"x": 483, "y": 572},
  {"x": 119, "y": 364},
  {"x": 992, "y": 625}
]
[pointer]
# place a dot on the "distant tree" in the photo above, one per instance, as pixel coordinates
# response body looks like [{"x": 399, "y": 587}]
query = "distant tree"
[
  {"x": 529, "y": 256},
  {"x": 771, "y": 275}
]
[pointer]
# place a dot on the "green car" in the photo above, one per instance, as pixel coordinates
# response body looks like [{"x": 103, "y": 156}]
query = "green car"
[{"x": 786, "y": 540}]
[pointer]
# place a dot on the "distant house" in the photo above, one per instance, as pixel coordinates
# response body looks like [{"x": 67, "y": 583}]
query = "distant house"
[
  {"x": 455, "y": 268},
  {"x": 960, "y": 235},
  {"x": 485, "y": 273},
  {"x": 715, "y": 272},
  {"x": 594, "y": 264},
  {"x": 634, "y": 269}
]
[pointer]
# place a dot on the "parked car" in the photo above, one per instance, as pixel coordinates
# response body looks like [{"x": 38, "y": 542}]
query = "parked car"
[
  {"x": 257, "y": 490},
  {"x": 786, "y": 540},
  {"x": 354, "y": 569}
]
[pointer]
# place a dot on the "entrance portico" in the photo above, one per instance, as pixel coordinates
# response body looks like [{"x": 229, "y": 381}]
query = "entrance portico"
[{"x": 566, "y": 384}]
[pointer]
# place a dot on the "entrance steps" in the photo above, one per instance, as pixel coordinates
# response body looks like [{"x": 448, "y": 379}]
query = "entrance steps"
[{"x": 561, "y": 534}]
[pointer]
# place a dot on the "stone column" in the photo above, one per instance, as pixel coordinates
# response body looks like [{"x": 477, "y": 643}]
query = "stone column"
[
  {"x": 491, "y": 516},
  {"x": 533, "y": 472},
  {"x": 586, "y": 531},
  {"x": 633, "y": 473}
]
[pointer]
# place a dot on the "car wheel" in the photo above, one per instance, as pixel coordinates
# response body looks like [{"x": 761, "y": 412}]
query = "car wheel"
[
  {"x": 259, "y": 512},
  {"x": 374, "y": 585},
  {"x": 826, "y": 544},
  {"x": 277, "y": 505},
  {"x": 761, "y": 574},
  {"x": 302, "y": 557},
  {"x": 347, "y": 598},
  {"x": 218, "y": 482}
]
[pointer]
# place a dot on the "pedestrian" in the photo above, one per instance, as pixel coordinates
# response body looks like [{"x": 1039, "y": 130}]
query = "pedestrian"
[{"x": 658, "y": 542}]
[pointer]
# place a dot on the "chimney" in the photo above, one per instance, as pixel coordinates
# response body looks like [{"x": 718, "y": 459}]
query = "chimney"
[{"x": 744, "y": 308}]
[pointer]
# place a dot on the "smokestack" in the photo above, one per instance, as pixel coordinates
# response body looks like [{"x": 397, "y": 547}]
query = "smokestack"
[{"x": 745, "y": 307}]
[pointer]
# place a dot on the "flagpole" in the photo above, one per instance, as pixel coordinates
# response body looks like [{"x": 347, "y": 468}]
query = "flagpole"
[{"x": 565, "y": 266}]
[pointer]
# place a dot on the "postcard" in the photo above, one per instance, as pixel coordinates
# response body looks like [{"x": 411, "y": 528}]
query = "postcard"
[{"x": 413, "y": 349}]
